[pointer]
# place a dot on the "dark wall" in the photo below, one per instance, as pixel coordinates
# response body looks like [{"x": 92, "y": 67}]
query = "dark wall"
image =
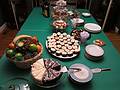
[
  {"x": 1, "y": 16},
  {"x": 6, "y": 10}
]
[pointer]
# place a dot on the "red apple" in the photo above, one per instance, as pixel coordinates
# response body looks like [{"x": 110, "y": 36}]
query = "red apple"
[
  {"x": 11, "y": 45},
  {"x": 34, "y": 39}
]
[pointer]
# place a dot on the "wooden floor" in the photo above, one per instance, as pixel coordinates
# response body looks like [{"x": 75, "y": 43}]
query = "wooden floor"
[
  {"x": 115, "y": 39},
  {"x": 7, "y": 36}
]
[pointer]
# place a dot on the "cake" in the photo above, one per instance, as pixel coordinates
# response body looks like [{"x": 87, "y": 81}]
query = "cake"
[{"x": 46, "y": 72}]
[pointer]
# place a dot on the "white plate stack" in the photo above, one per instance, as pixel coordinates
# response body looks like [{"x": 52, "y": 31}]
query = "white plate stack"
[
  {"x": 94, "y": 52},
  {"x": 92, "y": 27}
]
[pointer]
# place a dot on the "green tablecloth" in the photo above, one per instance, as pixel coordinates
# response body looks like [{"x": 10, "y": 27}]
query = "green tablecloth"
[{"x": 37, "y": 25}]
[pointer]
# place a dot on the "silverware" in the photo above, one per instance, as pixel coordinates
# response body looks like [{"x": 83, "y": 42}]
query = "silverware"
[
  {"x": 65, "y": 69},
  {"x": 97, "y": 70}
]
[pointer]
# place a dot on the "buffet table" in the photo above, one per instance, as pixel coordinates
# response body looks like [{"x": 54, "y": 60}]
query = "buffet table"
[{"x": 40, "y": 26}]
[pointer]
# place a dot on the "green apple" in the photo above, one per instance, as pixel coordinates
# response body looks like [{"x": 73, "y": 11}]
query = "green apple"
[
  {"x": 19, "y": 56},
  {"x": 33, "y": 47},
  {"x": 10, "y": 52}
]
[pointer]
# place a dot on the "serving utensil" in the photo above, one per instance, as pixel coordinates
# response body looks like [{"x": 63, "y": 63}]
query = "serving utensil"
[
  {"x": 65, "y": 69},
  {"x": 97, "y": 70}
]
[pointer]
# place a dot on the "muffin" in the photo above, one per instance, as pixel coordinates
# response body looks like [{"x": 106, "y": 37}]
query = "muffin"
[
  {"x": 64, "y": 54},
  {"x": 53, "y": 50},
  {"x": 58, "y": 52},
  {"x": 70, "y": 53}
]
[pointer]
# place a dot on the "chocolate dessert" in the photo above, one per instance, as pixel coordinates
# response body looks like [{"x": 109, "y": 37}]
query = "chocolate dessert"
[{"x": 46, "y": 72}]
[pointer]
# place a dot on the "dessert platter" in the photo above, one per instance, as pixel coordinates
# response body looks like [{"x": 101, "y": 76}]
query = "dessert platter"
[
  {"x": 46, "y": 73},
  {"x": 77, "y": 21},
  {"x": 59, "y": 24},
  {"x": 78, "y": 34},
  {"x": 60, "y": 10},
  {"x": 24, "y": 50},
  {"x": 62, "y": 45}
]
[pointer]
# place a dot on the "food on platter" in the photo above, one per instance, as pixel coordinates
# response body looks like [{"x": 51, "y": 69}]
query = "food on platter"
[
  {"x": 84, "y": 36},
  {"x": 99, "y": 42},
  {"x": 77, "y": 22},
  {"x": 59, "y": 24},
  {"x": 46, "y": 72},
  {"x": 62, "y": 45},
  {"x": 80, "y": 35},
  {"x": 24, "y": 49}
]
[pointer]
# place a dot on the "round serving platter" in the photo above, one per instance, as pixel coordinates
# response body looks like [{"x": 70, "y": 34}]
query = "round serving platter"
[
  {"x": 60, "y": 56},
  {"x": 52, "y": 85}
]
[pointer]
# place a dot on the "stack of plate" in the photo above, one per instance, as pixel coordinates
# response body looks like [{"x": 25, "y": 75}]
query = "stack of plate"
[
  {"x": 94, "y": 52},
  {"x": 92, "y": 27}
]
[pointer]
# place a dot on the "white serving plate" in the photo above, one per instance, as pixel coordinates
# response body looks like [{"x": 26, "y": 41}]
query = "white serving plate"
[
  {"x": 92, "y": 27},
  {"x": 94, "y": 50},
  {"x": 86, "y": 14}
]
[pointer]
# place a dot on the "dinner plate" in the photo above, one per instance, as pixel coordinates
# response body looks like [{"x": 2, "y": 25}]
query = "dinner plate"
[
  {"x": 94, "y": 50},
  {"x": 86, "y": 14},
  {"x": 92, "y": 27},
  {"x": 82, "y": 76},
  {"x": 93, "y": 58},
  {"x": 77, "y": 20},
  {"x": 60, "y": 56}
]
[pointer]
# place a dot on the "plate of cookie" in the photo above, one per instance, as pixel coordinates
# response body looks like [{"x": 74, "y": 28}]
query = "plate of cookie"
[{"x": 62, "y": 45}]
